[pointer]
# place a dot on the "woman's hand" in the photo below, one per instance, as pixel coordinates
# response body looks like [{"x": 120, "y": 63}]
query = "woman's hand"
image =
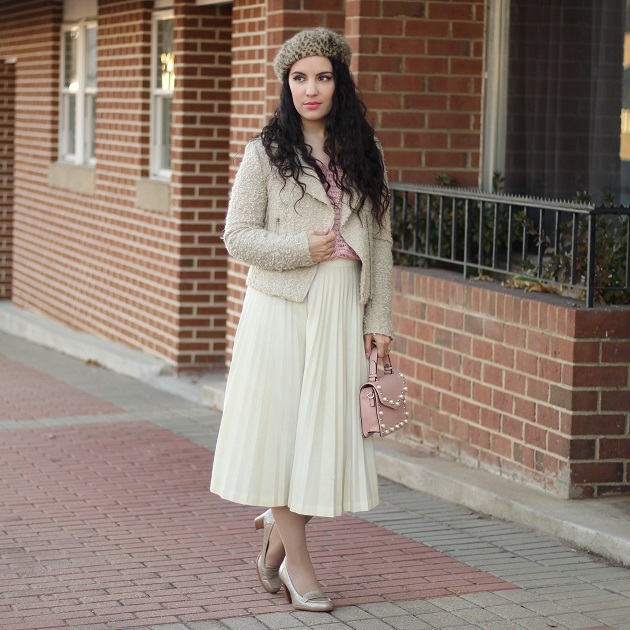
[
  {"x": 321, "y": 244},
  {"x": 383, "y": 344}
]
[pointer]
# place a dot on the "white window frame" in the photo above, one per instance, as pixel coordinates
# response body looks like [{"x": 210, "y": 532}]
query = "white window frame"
[
  {"x": 77, "y": 153},
  {"x": 495, "y": 92},
  {"x": 158, "y": 97}
]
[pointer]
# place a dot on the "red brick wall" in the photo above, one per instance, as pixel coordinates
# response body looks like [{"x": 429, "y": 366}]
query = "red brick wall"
[
  {"x": 7, "y": 122},
  {"x": 99, "y": 263},
  {"x": 532, "y": 389},
  {"x": 419, "y": 66},
  {"x": 200, "y": 182}
]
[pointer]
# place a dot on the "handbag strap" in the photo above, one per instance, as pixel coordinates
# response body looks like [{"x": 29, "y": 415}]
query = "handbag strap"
[{"x": 387, "y": 365}]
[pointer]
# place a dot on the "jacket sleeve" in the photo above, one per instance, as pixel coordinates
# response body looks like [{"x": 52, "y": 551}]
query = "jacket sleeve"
[
  {"x": 378, "y": 310},
  {"x": 377, "y": 318},
  {"x": 245, "y": 235}
]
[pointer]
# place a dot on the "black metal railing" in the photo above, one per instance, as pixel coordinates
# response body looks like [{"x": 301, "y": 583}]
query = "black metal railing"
[{"x": 575, "y": 249}]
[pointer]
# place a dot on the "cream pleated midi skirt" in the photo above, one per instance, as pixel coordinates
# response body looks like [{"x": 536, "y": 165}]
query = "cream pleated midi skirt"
[{"x": 291, "y": 433}]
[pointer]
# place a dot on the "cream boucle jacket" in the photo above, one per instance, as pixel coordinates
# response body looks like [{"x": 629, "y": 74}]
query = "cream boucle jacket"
[{"x": 267, "y": 227}]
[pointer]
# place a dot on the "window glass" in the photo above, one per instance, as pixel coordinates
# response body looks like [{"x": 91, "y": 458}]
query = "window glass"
[
  {"x": 78, "y": 93},
  {"x": 163, "y": 86},
  {"x": 165, "y": 78},
  {"x": 165, "y": 148},
  {"x": 90, "y": 126},
  {"x": 624, "y": 152},
  {"x": 564, "y": 96},
  {"x": 69, "y": 123},
  {"x": 90, "y": 79},
  {"x": 71, "y": 39}
]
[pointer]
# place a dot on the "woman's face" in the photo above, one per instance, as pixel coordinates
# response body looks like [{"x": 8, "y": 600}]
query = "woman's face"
[{"x": 312, "y": 87}]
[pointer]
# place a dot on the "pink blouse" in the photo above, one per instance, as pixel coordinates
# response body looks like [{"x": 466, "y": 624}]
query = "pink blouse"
[{"x": 342, "y": 249}]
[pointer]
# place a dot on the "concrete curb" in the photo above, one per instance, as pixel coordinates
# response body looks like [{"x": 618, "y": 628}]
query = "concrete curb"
[{"x": 50, "y": 334}]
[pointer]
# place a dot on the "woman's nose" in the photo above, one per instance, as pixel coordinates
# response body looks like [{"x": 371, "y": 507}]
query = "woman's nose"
[{"x": 311, "y": 88}]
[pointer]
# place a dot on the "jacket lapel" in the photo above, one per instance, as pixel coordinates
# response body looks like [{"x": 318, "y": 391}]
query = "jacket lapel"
[
  {"x": 315, "y": 189},
  {"x": 313, "y": 186}
]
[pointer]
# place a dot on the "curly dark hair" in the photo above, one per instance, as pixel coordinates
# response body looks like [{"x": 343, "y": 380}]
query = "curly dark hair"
[{"x": 350, "y": 145}]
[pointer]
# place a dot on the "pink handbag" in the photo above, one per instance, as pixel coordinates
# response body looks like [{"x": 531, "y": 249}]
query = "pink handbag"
[{"x": 382, "y": 399}]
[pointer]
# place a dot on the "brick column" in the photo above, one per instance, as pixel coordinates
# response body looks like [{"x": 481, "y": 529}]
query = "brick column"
[
  {"x": 7, "y": 158},
  {"x": 199, "y": 185}
]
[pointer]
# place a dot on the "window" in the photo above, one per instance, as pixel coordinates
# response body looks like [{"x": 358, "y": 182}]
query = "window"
[
  {"x": 78, "y": 93},
  {"x": 624, "y": 152},
  {"x": 162, "y": 87},
  {"x": 554, "y": 98}
]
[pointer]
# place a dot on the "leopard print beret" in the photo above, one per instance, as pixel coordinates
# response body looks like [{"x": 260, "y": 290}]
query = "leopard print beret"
[{"x": 317, "y": 42}]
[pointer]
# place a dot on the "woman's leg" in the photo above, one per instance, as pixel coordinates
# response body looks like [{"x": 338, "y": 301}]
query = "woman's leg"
[
  {"x": 275, "y": 551},
  {"x": 292, "y": 530}
]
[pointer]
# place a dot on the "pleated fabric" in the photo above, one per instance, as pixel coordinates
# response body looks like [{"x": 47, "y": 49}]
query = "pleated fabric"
[{"x": 290, "y": 433}]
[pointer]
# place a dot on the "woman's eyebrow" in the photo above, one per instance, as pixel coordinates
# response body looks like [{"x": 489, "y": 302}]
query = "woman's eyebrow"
[{"x": 298, "y": 72}]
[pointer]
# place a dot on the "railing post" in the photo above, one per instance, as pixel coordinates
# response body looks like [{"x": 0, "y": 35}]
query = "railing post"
[
  {"x": 468, "y": 238},
  {"x": 590, "y": 257}
]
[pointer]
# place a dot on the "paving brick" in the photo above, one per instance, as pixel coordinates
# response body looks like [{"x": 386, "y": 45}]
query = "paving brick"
[
  {"x": 420, "y": 607},
  {"x": 597, "y": 603},
  {"x": 383, "y": 610},
  {"x": 534, "y": 623},
  {"x": 440, "y": 619},
  {"x": 279, "y": 621},
  {"x": 369, "y": 624},
  {"x": 572, "y": 620},
  {"x": 546, "y": 607},
  {"x": 406, "y": 622},
  {"x": 613, "y": 615},
  {"x": 476, "y": 615},
  {"x": 537, "y": 581},
  {"x": 245, "y": 623},
  {"x": 313, "y": 619},
  {"x": 511, "y": 611},
  {"x": 351, "y": 613}
]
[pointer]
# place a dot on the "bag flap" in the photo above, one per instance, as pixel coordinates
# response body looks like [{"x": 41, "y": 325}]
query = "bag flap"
[{"x": 391, "y": 389}]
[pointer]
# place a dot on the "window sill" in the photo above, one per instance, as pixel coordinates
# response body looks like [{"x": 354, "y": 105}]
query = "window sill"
[
  {"x": 153, "y": 195},
  {"x": 75, "y": 178}
]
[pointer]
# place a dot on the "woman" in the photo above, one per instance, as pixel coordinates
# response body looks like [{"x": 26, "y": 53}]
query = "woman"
[{"x": 309, "y": 214}]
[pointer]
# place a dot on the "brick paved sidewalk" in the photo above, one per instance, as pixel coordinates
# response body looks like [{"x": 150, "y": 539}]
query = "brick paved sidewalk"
[{"x": 106, "y": 522}]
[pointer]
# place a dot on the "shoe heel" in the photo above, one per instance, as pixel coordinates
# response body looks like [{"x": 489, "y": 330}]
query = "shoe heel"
[
  {"x": 287, "y": 594},
  {"x": 259, "y": 521}
]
